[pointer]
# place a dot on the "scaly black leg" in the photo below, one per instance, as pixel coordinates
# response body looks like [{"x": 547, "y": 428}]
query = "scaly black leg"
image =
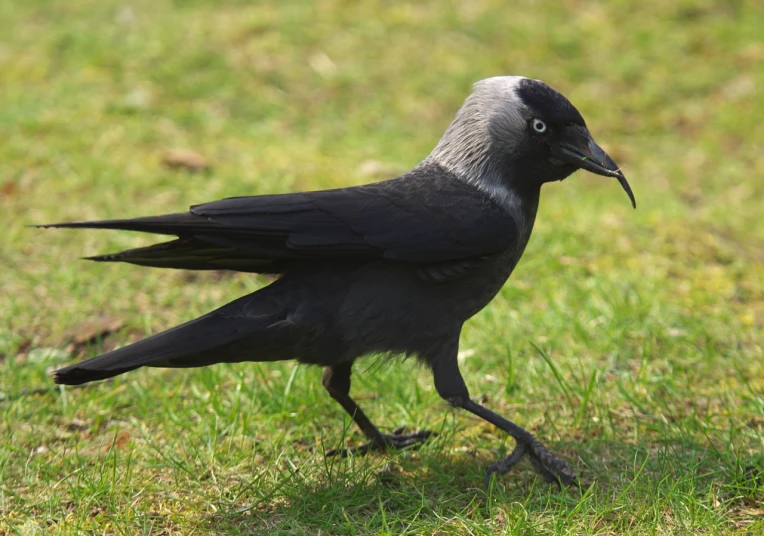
[
  {"x": 451, "y": 386},
  {"x": 336, "y": 380}
]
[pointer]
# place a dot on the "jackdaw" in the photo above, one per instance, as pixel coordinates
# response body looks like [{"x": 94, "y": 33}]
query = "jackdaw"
[{"x": 390, "y": 268}]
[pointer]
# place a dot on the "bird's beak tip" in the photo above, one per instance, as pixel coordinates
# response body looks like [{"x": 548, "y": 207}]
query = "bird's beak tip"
[
  {"x": 626, "y": 188},
  {"x": 592, "y": 158}
]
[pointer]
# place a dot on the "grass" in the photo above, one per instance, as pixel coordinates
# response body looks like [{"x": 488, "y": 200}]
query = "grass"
[{"x": 629, "y": 341}]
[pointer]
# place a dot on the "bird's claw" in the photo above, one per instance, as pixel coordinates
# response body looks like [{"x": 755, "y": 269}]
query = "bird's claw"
[
  {"x": 552, "y": 469},
  {"x": 395, "y": 441}
]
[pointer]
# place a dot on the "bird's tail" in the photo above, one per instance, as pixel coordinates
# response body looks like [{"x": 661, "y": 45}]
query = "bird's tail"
[{"x": 252, "y": 328}]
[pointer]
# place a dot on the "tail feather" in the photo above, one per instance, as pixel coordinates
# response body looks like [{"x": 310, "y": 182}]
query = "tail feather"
[{"x": 252, "y": 328}]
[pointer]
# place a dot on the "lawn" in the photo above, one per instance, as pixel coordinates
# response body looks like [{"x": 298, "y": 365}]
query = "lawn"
[{"x": 630, "y": 342}]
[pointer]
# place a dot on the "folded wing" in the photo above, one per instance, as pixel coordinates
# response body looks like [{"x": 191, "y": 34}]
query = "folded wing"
[{"x": 409, "y": 219}]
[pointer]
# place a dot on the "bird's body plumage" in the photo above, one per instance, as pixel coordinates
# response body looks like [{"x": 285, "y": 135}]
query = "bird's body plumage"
[
  {"x": 348, "y": 257},
  {"x": 394, "y": 267}
]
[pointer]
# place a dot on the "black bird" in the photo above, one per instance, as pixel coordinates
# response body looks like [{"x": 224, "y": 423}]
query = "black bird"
[{"x": 392, "y": 268}]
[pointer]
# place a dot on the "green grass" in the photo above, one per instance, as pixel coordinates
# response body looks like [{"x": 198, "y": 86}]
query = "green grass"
[{"x": 630, "y": 342}]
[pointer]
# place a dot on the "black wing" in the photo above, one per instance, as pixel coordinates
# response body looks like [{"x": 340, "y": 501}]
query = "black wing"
[{"x": 426, "y": 216}]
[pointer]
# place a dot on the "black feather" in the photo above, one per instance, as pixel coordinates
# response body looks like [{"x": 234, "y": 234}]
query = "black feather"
[
  {"x": 398, "y": 220},
  {"x": 252, "y": 328}
]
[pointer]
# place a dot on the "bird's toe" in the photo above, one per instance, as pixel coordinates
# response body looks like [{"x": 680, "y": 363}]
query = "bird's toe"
[
  {"x": 551, "y": 468},
  {"x": 395, "y": 441}
]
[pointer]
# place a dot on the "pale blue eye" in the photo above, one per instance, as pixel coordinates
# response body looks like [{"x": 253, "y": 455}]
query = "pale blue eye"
[{"x": 539, "y": 125}]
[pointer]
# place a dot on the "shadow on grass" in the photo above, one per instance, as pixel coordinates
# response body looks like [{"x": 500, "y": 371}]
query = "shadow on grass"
[{"x": 426, "y": 490}]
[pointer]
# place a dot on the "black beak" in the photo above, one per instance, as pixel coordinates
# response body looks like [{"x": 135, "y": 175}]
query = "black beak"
[{"x": 580, "y": 150}]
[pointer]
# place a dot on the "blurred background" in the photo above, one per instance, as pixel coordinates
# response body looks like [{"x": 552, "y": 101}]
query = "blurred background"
[{"x": 125, "y": 108}]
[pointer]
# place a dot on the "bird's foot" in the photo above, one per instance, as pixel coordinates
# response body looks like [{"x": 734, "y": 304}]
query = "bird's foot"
[
  {"x": 395, "y": 441},
  {"x": 552, "y": 469}
]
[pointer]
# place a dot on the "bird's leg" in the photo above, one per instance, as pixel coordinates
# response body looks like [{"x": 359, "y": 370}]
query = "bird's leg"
[
  {"x": 548, "y": 466},
  {"x": 336, "y": 380},
  {"x": 451, "y": 386}
]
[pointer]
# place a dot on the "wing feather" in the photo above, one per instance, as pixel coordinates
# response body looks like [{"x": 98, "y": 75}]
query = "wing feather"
[{"x": 415, "y": 218}]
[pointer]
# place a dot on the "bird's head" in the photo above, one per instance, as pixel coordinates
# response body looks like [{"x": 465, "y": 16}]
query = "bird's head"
[{"x": 516, "y": 132}]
